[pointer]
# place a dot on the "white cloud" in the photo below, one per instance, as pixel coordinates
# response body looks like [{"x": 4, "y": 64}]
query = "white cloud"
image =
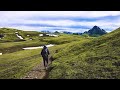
[
  {"x": 63, "y": 23},
  {"x": 8, "y": 18},
  {"x": 16, "y": 14}
]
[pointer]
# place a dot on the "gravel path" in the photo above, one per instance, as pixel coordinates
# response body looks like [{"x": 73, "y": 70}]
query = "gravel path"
[{"x": 38, "y": 72}]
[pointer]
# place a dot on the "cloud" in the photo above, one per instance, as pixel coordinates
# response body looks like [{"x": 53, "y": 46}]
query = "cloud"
[
  {"x": 60, "y": 13},
  {"x": 75, "y": 21}
]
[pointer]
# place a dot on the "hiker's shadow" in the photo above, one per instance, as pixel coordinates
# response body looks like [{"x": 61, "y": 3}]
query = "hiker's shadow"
[
  {"x": 47, "y": 72},
  {"x": 49, "y": 69},
  {"x": 51, "y": 59}
]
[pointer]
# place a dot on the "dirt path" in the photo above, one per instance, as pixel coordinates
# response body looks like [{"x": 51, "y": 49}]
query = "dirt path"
[{"x": 38, "y": 72}]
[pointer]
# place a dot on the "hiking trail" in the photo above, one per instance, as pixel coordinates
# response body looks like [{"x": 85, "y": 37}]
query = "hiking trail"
[{"x": 38, "y": 72}]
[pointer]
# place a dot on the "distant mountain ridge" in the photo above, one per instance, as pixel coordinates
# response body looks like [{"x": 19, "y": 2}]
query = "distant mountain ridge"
[{"x": 95, "y": 31}]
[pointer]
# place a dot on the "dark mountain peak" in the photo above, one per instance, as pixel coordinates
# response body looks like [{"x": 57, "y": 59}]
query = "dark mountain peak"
[
  {"x": 96, "y": 31},
  {"x": 96, "y": 27}
]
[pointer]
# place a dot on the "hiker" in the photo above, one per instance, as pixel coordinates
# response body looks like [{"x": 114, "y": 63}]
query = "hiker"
[{"x": 45, "y": 53}]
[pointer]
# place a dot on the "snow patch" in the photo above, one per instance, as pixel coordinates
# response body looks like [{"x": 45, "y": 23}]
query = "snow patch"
[
  {"x": 52, "y": 35},
  {"x": 40, "y": 34},
  {"x": 50, "y": 45},
  {"x": 19, "y": 36},
  {"x": 49, "y": 35}
]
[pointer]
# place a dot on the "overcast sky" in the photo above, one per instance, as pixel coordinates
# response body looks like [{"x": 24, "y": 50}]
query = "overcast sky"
[{"x": 73, "y": 21}]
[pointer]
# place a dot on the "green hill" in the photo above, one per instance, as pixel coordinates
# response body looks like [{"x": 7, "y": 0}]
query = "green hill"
[
  {"x": 10, "y": 42},
  {"x": 75, "y": 57},
  {"x": 10, "y": 35},
  {"x": 16, "y": 63},
  {"x": 88, "y": 59}
]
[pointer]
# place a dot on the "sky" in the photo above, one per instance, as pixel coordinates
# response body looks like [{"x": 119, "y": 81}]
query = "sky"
[{"x": 72, "y": 21}]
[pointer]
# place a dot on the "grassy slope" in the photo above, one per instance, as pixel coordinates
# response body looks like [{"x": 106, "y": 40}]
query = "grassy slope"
[
  {"x": 8, "y": 47},
  {"x": 11, "y": 37},
  {"x": 88, "y": 59},
  {"x": 17, "y": 64},
  {"x": 62, "y": 39},
  {"x": 75, "y": 57},
  {"x": 11, "y": 43}
]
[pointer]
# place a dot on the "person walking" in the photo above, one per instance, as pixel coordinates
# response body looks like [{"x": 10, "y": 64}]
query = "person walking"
[{"x": 45, "y": 53}]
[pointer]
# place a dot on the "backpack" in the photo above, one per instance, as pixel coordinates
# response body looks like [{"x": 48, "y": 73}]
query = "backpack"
[{"x": 44, "y": 52}]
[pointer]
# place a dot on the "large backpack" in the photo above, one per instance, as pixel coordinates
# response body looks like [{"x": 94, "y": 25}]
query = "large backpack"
[{"x": 44, "y": 52}]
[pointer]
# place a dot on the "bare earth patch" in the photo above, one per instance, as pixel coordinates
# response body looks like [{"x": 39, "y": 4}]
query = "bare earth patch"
[{"x": 37, "y": 72}]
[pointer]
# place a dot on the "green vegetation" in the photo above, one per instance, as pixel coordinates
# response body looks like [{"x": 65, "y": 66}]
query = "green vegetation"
[
  {"x": 11, "y": 43},
  {"x": 17, "y": 64},
  {"x": 75, "y": 56},
  {"x": 62, "y": 39},
  {"x": 9, "y": 47},
  {"x": 10, "y": 35},
  {"x": 89, "y": 59}
]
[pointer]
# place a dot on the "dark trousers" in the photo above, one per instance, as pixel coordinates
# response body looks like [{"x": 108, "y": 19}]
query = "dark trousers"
[{"x": 45, "y": 59}]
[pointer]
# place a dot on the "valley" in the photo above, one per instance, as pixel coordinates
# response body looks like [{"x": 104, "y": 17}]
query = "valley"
[{"x": 74, "y": 56}]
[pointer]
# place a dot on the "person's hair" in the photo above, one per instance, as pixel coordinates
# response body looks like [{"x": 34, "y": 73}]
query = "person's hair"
[{"x": 44, "y": 47}]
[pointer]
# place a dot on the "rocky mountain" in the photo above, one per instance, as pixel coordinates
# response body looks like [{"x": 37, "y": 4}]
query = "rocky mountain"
[{"x": 95, "y": 31}]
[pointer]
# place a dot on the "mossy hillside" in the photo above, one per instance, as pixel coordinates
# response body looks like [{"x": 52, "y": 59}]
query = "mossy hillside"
[{"x": 92, "y": 59}]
